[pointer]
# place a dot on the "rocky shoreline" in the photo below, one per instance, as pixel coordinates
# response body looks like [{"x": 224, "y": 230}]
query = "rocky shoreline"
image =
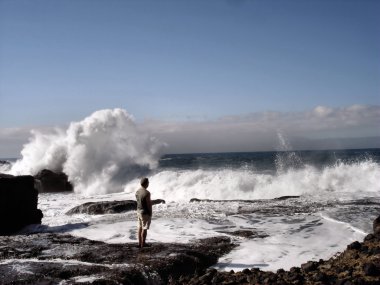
[
  {"x": 50, "y": 258},
  {"x": 58, "y": 258},
  {"x": 358, "y": 264},
  {"x": 54, "y": 258}
]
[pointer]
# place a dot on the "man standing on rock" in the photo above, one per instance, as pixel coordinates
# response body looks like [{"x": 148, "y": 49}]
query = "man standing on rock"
[{"x": 144, "y": 211}]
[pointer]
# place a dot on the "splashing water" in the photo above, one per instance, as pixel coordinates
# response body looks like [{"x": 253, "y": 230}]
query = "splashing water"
[
  {"x": 99, "y": 154},
  {"x": 286, "y": 158}
]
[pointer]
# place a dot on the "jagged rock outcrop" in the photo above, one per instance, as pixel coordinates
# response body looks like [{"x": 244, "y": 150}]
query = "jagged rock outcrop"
[
  {"x": 108, "y": 207},
  {"x": 50, "y": 181},
  {"x": 18, "y": 203}
]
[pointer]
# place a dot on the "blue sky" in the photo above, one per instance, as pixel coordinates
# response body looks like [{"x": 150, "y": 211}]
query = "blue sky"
[{"x": 185, "y": 60}]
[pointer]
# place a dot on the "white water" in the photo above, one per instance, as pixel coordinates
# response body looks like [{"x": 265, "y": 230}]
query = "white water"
[
  {"x": 102, "y": 153},
  {"x": 293, "y": 237},
  {"x": 352, "y": 180},
  {"x": 320, "y": 223},
  {"x": 99, "y": 154}
]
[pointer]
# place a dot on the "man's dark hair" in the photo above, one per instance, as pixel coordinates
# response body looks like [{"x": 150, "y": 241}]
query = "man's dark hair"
[{"x": 144, "y": 182}]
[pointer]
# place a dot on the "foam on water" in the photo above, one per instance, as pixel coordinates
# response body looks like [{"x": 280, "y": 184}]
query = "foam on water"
[
  {"x": 355, "y": 180},
  {"x": 293, "y": 235},
  {"x": 291, "y": 241}
]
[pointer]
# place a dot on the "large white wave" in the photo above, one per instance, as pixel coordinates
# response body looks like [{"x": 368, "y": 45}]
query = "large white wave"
[
  {"x": 99, "y": 154},
  {"x": 352, "y": 180}
]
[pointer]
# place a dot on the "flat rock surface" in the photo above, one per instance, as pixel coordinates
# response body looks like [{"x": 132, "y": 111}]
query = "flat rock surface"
[{"x": 47, "y": 258}]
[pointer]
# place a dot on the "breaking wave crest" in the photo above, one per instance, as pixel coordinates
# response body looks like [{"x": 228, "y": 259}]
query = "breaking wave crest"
[
  {"x": 99, "y": 154},
  {"x": 351, "y": 180}
]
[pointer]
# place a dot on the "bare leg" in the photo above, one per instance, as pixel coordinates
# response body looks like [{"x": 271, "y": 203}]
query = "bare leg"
[
  {"x": 143, "y": 237},
  {"x": 140, "y": 237}
]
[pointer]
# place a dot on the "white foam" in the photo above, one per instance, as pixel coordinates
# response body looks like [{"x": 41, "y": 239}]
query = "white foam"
[
  {"x": 292, "y": 238},
  {"x": 291, "y": 242},
  {"x": 344, "y": 223},
  {"x": 82, "y": 279},
  {"x": 353, "y": 180},
  {"x": 99, "y": 154}
]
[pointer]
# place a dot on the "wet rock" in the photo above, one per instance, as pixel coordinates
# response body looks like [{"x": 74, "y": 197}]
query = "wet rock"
[
  {"x": 48, "y": 258},
  {"x": 49, "y": 181},
  {"x": 108, "y": 207},
  {"x": 371, "y": 269},
  {"x": 104, "y": 207},
  {"x": 18, "y": 203},
  {"x": 321, "y": 277},
  {"x": 376, "y": 226},
  {"x": 286, "y": 197},
  {"x": 246, "y": 234},
  {"x": 3, "y": 175},
  {"x": 309, "y": 266},
  {"x": 355, "y": 245},
  {"x": 369, "y": 237},
  {"x": 192, "y": 200}
]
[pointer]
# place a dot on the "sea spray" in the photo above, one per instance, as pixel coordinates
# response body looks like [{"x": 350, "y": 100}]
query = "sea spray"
[
  {"x": 353, "y": 180},
  {"x": 99, "y": 154},
  {"x": 286, "y": 158}
]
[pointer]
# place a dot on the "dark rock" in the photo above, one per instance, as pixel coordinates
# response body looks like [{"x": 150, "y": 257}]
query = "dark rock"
[
  {"x": 245, "y": 234},
  {"x": 376, "y": 226},
  {"x": 295, "y": 270},
  {"x": 364, "y": 249},
  {"x": 3, "y": 175},
  {"x": 197, "y": 200},
  {"x": 49, "y": 181},
  {"x": 18, "y": 204},
  {"x": 371, "y": 269},
  {"x": 322, "y": 277},
  {"x": 104, "y": 207},
  {"x": 50, "y": 258},
  {"x": 295, "y": 277},
  {"x": 286, "y": 197},
  {"x": 355, "y": 245},
  {"x": 309, "y": 266},
  {"x": 207, "y": 278},
  {"x": 374, "y": 251},
  {"x": 108, "y": 207},
  {"x": 247, "y": 271},
  {"x": 369, "y": 237}
]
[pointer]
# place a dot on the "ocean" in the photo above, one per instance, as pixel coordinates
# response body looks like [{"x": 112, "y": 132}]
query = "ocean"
[{"x": 339, "y": 197}]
